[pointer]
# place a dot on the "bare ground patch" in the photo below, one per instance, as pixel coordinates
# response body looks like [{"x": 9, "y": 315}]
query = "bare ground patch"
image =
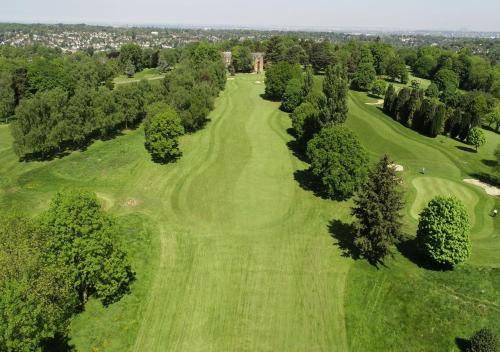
[{"x": 489, "y": 189}]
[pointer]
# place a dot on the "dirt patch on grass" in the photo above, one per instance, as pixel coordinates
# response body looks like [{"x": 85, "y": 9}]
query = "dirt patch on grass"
[
  {"x": 131, "y": 202},
  {"x": 258, "y": 82},
  {"x": 378, "y": 102},
  {"x": 489, "y": 189},
  {"x": 397, "y": 168},
  {"x": 230, "y": 78}
]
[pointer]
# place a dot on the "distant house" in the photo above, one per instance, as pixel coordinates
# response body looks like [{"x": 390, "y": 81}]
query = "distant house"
[{"x": 258, "y": 60}]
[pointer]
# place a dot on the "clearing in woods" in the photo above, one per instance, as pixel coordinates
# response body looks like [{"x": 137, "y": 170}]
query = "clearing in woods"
[{"x": 232, "y": 254}]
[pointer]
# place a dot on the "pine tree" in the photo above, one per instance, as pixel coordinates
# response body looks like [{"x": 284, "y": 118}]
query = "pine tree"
[
  {"x": 377, "y": 210},
  {"x": 335, "y": 87}
]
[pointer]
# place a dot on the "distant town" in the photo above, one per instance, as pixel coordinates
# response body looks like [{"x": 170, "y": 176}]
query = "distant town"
[{"x": 74, "y": 37}]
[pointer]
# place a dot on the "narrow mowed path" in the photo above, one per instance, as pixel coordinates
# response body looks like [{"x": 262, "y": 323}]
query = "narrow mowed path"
[{"x": 247, "y": 263}]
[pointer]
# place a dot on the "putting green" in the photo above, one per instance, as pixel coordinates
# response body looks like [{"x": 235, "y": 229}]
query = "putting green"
[{"x": 428, "y": 187}]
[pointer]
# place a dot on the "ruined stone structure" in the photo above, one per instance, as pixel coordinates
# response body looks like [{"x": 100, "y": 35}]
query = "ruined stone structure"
[
  {"x": 227, "y": 56},
  {"x": 258, "y": 59}
]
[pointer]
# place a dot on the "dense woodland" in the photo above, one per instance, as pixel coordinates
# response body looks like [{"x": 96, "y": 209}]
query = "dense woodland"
[{"x": 63, "y": 102}]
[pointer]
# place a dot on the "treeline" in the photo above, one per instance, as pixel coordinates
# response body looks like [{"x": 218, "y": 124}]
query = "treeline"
[
  {"x": 426, "y": 114},
  {"x": 60, "y": 117},
  {"x": 450, "y": 70}
]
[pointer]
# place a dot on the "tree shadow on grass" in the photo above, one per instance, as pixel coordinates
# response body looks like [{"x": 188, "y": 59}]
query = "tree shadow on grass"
[
  {"x": 298, "y": 150},
  {"x": 487, "y": 178},
  {"x": 490, "y": 163},
  {"x": 462, "y": 344},
  {"x": 343, "y": 234},
  {"x": 59, "y": 343},
  {"x": 466, "y": 149},
  {"x": 311, "y": 183},
  {"x": 409, "y": 249}
]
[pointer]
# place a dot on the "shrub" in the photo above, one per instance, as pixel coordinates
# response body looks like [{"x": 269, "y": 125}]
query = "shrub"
[
  {"x": 476, "y": 137},
  {"x": 378, "y": 88},
  {"x": 483, "y": 340},
  {"x": 443, "y": 231}
]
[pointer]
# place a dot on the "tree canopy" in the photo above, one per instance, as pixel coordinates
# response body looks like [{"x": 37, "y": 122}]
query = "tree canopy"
[
  {"x": 443, "y": 231},
  {"x": 162, "y": 132},
  {"x": 339, "y": 161}
]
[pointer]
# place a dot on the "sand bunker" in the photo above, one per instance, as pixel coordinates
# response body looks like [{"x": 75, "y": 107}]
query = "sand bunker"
[
  {"x": 491, "y": 190},
  {"x": 378, "y": 102},
  {"x": 397, "y": 168}
]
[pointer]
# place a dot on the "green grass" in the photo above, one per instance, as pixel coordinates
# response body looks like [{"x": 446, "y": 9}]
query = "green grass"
[
  {"x": 231, "y": 253},
  {"x": 149, "y": 74}
]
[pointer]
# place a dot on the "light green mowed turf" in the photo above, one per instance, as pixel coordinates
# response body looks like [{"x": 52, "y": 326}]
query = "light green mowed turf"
[
  {"x": 231, "y": 254},
  {"x": 430, "y": 187}
]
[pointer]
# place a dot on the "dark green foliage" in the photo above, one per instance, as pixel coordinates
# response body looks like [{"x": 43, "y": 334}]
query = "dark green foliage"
[
  {"x": 130, "y": 101},
  {"x": 162, "y": 132},
  {"x": 446, "y": 80},
  {"x": 379, "y": 88},
  {"x": 378, "y": 212},
  {"x": 131, "y": 54},
  {"x": 390, "y": 98},
  {"x": 335, "y": 87},
  {"x": 129, "y": 69},
  {"x": 275, "y": 50},
  {"x": 424, "y": 66},
  {"x": 242, "y": 59},
  {"x": 293, "y": 94},
  {"x": 322, "y": 55},
  {"x": 401, "y": 104},
  {"x": 364, "y": 76},
  {"x": 476, "y": 137},
  {"x": 432, "y": 91},
  {"x": 7, "y": 96},
  {"x": 338, "y": 159},
  {"x": 36, "y": 297},
  {"x": 308, "y": 85},
  {"x": 443, "y": 231},
  {"x": 427, "y": 116},
  {"x": 305, "y": 121},
  {"x": 396, "y": 70},
  {"x": 483, "y": 340},
  {"x": 277, "y": 77},
  {"x": 85, "y": 240}
]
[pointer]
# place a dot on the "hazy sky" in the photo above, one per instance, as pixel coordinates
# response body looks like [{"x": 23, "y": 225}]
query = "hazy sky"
[{"x": 381, "y": 14}]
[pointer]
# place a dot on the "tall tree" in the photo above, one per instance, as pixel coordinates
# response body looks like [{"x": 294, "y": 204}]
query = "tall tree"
[
  {"x": 7, "y": 96},
  {"x": 377, "y": 209},
  {"x": 335, "y": 88},
  {"x": 36, "y": 297},
  {"x": 242, "y": 59},
  {"x": 390, "y": 98},
  {"x": 364, "y": 76},
  {"x": 338, "y": 160},
  {"x": 84, "y": 239},
  {"x": 162, "y": 132}
]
